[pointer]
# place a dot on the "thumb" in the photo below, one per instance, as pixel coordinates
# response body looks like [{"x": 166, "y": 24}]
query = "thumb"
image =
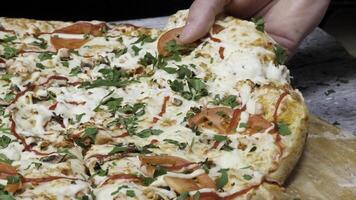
[{"x": 200, "y": 19}]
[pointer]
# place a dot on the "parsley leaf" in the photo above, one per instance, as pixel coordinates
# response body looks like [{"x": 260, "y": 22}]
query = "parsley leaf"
[
  {"x": 259, "y": 23},
  {"x": 159, "y": 171},
  {"x": 247, "y": 177},
  {"x": 119, "y": 52},
  {"x": 8, "y": 38},
  {"x": 229, "y": 100},
  {"x": 281, "y": 54},
  {"x": 183, "y": 196},
  {"x": 196, "y": 196},
  {"x": 283, "y": 129},
  {"x": 148, "y": 132},
  {"x": 45, "y": 56},
  {"x": 13, "y": 179},
  {"x": 143, "y": 39},
  {"x": 9, "y": 52},
  {"x": 130, "y": 193},
  {"x": 41, "y": 43},
  {"x": 118, "y": 189},
  {"x": 220, "y": 138},
  {"x": 223, "y": 179},
  {"x": 135, "y": 49},
  {"x": 111, "y": 77},
  {"x": 4, "y": 159},
  {"x": 75, "y": 71},
  {"x": 4, "y": 141},
  {"x": 180, "y": 145}
]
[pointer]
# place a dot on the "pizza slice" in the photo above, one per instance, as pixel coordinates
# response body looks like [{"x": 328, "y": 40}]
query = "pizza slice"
[{"x": 95, "y": 110}]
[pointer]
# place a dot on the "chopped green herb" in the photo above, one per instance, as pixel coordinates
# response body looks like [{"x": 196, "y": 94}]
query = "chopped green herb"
[
  {"x": 9, "y": 97},
  {"x": 65, "y": 63},
  {"x": 130, "y": 193},
  {"x": 220, "y": 138},
  {"x": 147, "y": 180},
  {"x": 135, "y": 49},
  {"x": 40, "y": 66},
  {"x": 78, "y": 117},
  {"x": 75, "y": 71},
  {"x": 6, "y": 77},
  {"x": 283, "y": 129},
  {"x": 281, "y": 54},
  {"x": 66, "y": 151},
  {"x": 144, "y": 39},
  {"x": 41, "y": 43},
  {"x": 13, "y": 179},
  {"x": 148, "y": 132},
  {"x": 8, "y": 39},
  {"x": 223, "y": 179},
  {"x": 180, "y": 145},
  {"x": 196, "y": 196},
  {"x": 9, "y": 52},
  {"x": 259, "y": 23},
  {"x": 247, "y": 177},
  {"x": 243, "y": 125},
  {"x": 175, "y": 50},
  {"x": 4, "y": 159},
  {"x": 91, "y": 132},
  {"x": 119, "y": 52},
  {"x": 118, "y": 189},
  {"x": 45, "y": 56},
  {"x": 111, "y": 77},
  {"x": 183, "y": 196},
  {"x": 118, "y": 149},
  {"x": 230, "y": 100},
  {"x": 159, "y": 171},
  {"x": 4, "y": 141}
]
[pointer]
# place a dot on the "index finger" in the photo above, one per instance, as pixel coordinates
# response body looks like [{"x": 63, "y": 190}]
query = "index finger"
[{"x": 200, "y": 19}]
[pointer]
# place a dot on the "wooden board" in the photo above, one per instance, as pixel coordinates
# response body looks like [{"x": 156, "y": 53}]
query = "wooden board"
[{"x": 327, "y": 168}]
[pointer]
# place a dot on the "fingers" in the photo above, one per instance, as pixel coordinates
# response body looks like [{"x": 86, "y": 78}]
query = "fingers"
[
  {"x": 289, "y": 21},
  {"x": 246, "y": 8},
  {"x": 201, "y": 17}
]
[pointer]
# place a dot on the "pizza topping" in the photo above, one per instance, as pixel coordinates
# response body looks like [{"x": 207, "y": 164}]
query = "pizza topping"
[
  {"x": 182, "y": 185},
  {"x": 221, "y": 52},
  {"x": 260, "y": 24},
  {"x": 84, "y": 28},
  {"x": 281, "y": 54}
]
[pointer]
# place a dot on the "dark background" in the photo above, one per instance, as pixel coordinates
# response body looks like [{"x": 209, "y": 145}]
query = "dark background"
[{"x": 108, "y": 10}]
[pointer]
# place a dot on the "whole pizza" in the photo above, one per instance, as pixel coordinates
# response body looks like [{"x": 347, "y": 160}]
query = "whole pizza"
[{"x": 94, "y": 110}]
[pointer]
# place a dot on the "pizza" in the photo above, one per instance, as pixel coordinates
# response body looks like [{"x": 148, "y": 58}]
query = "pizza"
[{"x": 95, "y": 110}]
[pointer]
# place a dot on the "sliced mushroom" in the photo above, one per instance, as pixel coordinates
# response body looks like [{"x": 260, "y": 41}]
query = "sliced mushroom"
[{"x": 64, "y": 54}]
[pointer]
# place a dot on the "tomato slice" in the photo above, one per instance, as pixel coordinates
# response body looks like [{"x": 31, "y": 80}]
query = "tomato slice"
[
  {"x": 170, "y": 35},
  {"x": 257, "y": 123},
  {"x": 83, "y": 28},
  {"x": 67, "y": 43}
]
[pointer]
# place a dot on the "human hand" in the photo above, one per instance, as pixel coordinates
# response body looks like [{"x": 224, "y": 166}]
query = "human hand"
[{"x": 286, "y": 21}]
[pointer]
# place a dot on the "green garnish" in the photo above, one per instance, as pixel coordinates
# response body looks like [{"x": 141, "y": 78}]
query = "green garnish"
[
  {"x": 45, "y": 56},
  {"x": 230, "y": 100},
  {"x": 118, "y": 189},
  {"x": 135, "y": 49},
  {"x": 4, "y": 141},
  {"x": 130, "y": 193},
  {"x": 183, "y": 196},
  {"x": 148, "y": 132},
  {"x": 247, "y": 177},
  {"x": 281, "y": 54},
  {"x": 259, "y": 23},
  {"x": 223, "y": 179},
  {"x": 180, "y": 145},
  {"x": 159, "y": 171},
  {"x": 283, "y": 129},
  {"x": 9, "y": 52},
  {"x": 144, "y": 39}
]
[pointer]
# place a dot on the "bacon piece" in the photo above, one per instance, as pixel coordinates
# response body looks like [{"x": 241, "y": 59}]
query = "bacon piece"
[
  {"x": 186, "y": 185},
  {"x": 59, "y": 43},
  {"x": 20, "y": 94},
  {"x": 217, "y": 118},
  {"x": 171, "y": 163},
  {"x": 221, "y": 52},
  {"x": 83, "y": 28},
  {"x": 121, "y": 176},
  {"x": 54, "y": 77},
  {"x": 163, "y": 109},
  {"x": 235, "y": 119},
  {"x": 217, "y": 28},
  {"x": 13, "y": 187},
  {"x": 7, "y": 170},
  {"x": 257, "y": 123},
  {"x": 215, "y": 39},
  {"x": 53, "y": 106}
]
